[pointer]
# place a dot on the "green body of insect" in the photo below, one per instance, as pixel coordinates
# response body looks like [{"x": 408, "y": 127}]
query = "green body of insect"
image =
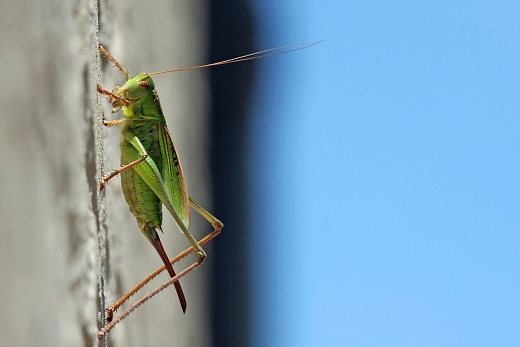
[{"x": 151, "y": 173}]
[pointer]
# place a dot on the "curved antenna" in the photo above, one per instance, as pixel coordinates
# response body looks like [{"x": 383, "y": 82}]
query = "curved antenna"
[{"x": 250, "y": 56}]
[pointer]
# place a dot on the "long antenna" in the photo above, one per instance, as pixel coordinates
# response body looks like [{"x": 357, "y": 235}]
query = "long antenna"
[{"x": 250, "y": 56}]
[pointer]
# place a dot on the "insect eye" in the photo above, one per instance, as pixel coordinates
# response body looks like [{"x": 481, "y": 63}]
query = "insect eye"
[{"x": 143, "y": 85}]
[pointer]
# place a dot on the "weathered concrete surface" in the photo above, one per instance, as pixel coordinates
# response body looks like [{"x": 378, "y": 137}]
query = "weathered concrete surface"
[{"x": 49, "y": 258}]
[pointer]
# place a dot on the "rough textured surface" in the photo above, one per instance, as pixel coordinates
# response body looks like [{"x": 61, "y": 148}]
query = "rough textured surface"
[{"x": 49, "y": 260}]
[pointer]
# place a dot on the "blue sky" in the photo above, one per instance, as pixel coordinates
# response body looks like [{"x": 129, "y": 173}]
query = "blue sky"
[{"x": 385, "y": 177}]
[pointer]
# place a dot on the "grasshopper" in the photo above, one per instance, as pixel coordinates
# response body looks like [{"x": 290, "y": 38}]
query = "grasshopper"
[{"x": 151, "y": 173}]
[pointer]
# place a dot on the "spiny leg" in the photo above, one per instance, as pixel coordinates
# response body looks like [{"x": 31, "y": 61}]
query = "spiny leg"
[
  {"x": 111, "y": 175},
  {"x": 217, "y": 225},
  {"x": 159, "y": 289},
  {"x": 145, "y": 298}
]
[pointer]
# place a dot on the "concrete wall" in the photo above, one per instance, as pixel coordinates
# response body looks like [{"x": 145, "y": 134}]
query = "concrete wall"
[{"x": 51, "y": 217}]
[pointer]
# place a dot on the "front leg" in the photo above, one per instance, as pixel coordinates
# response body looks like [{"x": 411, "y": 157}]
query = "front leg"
[{"x": 112, "y": 96}]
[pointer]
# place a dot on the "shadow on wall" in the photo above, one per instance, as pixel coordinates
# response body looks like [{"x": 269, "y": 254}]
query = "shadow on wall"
[{"x": 231, "y": 34}]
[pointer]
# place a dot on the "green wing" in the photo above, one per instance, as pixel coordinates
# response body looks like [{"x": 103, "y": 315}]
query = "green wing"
[{"x": 173, "y": 176}]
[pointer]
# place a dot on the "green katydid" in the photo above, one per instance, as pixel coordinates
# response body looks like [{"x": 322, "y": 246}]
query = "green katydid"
[{"x": 151, "y": 173}]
